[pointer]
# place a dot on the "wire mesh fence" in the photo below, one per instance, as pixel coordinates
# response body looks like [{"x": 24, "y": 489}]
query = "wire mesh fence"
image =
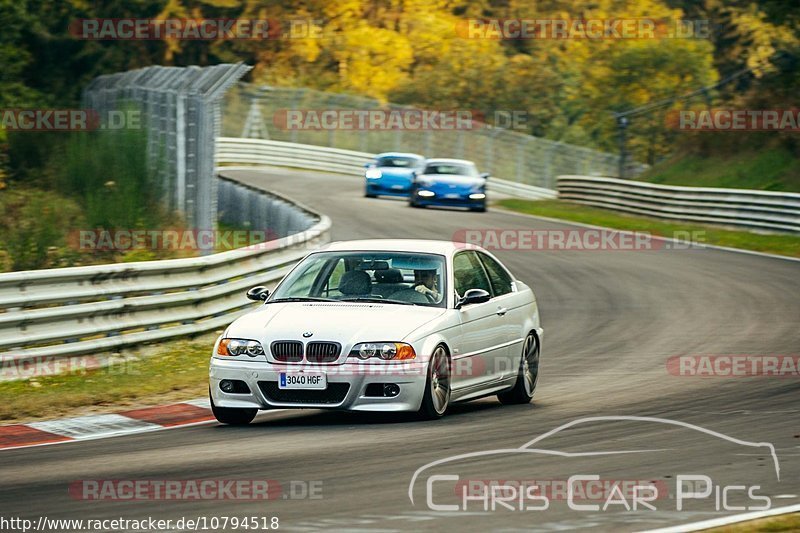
[
  {"x": 258, "y": 112},
  {"x": 179, "y": 109}
]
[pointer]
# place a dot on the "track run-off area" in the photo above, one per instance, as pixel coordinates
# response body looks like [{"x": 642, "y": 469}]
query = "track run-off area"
[{"x": 612, "y": 319}]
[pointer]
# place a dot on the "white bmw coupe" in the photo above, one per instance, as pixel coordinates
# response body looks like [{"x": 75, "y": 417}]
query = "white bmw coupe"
[{"x": 381, "y": 325}]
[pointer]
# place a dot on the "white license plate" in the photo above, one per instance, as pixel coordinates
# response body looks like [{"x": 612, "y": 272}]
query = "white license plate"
[
  {"x": 452, "y": 195},
  {"x": 302, "y": 380}
]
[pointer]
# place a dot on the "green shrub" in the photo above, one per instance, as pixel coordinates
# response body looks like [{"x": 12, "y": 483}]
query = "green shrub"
[{"x": 34, "y": 229}]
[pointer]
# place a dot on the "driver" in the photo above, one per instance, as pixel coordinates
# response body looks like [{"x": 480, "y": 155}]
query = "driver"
[{"x": 425, "y": 282}]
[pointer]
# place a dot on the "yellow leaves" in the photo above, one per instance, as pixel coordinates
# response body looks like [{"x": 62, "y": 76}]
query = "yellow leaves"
[
  {"x": 372, "y": 61},
  {"x": 763, "y": 38}
]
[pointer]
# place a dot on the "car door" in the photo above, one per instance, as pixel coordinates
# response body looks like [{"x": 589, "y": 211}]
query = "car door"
[
  {"x": 482, "y": 338},
  {"x": 511, "y": 306}
]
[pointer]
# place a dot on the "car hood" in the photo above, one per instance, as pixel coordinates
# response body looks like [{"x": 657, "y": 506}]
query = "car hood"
[
  {"x": 347, "y": 323},
  {"x": 453, "y": 179}
]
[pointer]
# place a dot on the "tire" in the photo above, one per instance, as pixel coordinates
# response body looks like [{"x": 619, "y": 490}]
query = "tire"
[
  {"x": 436, "y": 398},
  {"x": 481, "y": 209},
  {"x": 368, "y": 194},
  {"x": 233, "y": 416},
  {"x": 527, "y": 375}
]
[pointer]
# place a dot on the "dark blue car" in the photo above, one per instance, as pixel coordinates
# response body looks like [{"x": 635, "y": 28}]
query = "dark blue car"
[
  {"x": 449, "y": 182},
  {"x": 391, "y": 174}
]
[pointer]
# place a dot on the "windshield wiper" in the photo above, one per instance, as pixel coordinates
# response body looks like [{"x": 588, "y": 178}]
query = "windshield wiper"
[
  {"x": 377, "y": 300},
  {"x": 301, "y": 299}
]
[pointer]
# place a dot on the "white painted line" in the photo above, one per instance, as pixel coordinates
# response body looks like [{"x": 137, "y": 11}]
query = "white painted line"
[
  {"x": 98, "y": 437},
  {"x": 657, "y": 237},
  {"x": 200, "y": 402},
  {"x": 93, "y": 426},
  {"x": 61, "y": 427},
  {"x": 726, "y": 520}
]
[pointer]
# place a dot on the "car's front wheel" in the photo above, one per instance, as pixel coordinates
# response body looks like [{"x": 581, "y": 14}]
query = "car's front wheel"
[
  {"x": 437, "y": 387},
  {"x": 233, "y": 416},
  {"x": 528, "y": 374}
]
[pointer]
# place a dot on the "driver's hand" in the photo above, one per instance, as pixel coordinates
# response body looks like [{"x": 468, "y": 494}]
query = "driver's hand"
[
  {"x": 422, "y": 289},
  {"x": 426, "y": 291}
]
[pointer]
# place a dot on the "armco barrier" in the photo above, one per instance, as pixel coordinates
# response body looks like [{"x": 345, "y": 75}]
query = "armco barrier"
[
  {"x": 760, "y": 210},
  {"x": 75, "y": 311},
  {"x": 239, "y": 151}
]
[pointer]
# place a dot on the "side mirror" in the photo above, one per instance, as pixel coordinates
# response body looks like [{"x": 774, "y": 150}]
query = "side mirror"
[
  {"x": 414, "y": 175},
  {"x": 258, "y": 293},
  {"x": 485, "y": 175},
  {"x": 369, "y": 164},
  {"x": 473, "y": 296}
]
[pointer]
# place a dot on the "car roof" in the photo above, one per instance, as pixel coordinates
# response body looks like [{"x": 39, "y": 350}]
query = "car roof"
[
  {"x": 444, "y": 160},
  {"x": 398, "y": 154},
  {"x": 400, "y": 245}
]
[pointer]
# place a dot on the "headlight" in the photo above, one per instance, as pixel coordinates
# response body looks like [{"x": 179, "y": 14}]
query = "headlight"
[
  {"x": 236, "y": 347},
  {"x": 373, "y": 173},
  {"x": 395, "y": 351},
  {"x": 426, "y": 194},
  {"x": 477, "y": 196}
]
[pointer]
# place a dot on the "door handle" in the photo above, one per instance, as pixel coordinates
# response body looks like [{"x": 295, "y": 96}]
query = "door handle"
[{"x": 502, "y": 311}]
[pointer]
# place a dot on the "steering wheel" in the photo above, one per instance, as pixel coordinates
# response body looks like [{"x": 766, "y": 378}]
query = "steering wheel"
[
  {"x": 408, "y": 295},
  {"x": 429, "y": 296}
]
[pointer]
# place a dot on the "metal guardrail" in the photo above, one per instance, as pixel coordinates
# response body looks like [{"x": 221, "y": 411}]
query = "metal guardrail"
[
  {"x": 760, "y": 210},
  {"x": 236, "y": 150},
  {"x": 79, "y": 310},
  {"x": 240, "y": 151}
]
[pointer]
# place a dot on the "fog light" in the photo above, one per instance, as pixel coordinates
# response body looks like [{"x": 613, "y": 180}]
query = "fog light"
[
  {"x": 391, "y": 389},
  {"x": 226, "y": 385}
]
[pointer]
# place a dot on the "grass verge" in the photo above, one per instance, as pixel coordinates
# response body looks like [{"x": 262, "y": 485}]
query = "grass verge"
[
  {"x": 770, "y": 243},
  {"x": 153, "y": 375},
  {"x": 773, "y": 169}
]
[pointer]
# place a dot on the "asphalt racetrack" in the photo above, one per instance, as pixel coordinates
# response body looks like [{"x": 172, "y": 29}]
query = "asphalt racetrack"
[{"x": 612, "y": 320}]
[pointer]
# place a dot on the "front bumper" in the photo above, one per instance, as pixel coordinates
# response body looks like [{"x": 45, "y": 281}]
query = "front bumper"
[
  {"x": 381, "y": 189},
  {"x": 347, "y": 385},
  {"x": 452, "y": 201}
]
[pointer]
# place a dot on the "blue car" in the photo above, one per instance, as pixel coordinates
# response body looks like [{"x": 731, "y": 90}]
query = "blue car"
[
  {"x": 449, "y": 182},
  {"x": 391, "y": 174}
]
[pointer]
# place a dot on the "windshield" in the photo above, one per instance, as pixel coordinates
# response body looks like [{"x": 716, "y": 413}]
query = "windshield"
[
  {"x": 400, "y": 278},
  {"x": 452, "y": 169},
  {"x": 397, "y": 162}
]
